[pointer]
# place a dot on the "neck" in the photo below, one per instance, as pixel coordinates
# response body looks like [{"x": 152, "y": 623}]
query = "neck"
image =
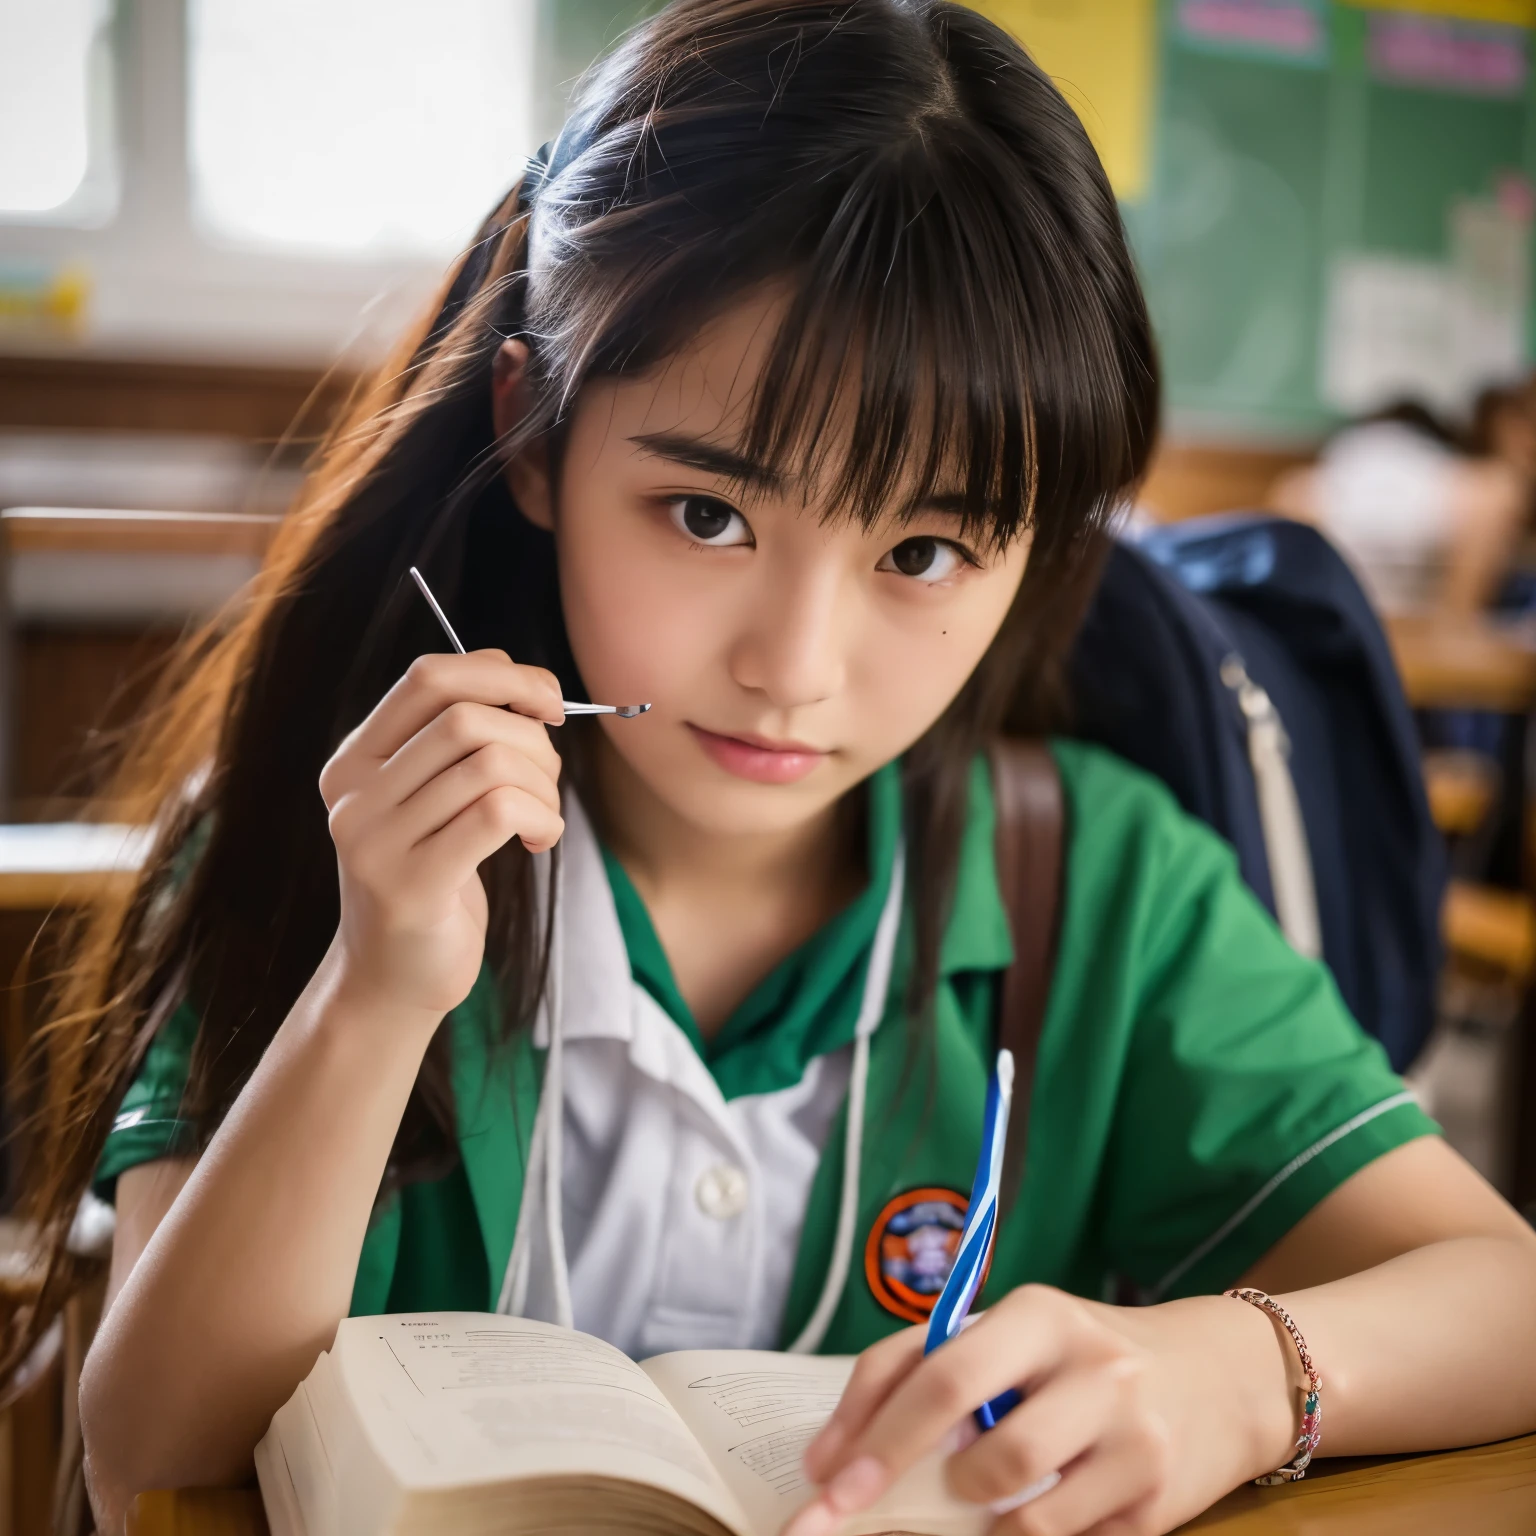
[{"x": 727, "y": 909}]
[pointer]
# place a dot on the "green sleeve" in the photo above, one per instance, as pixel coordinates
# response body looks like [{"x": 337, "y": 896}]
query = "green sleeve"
[
  {"x": 1247, "y": 1092},
  {"x": 148, "y": 1124}
]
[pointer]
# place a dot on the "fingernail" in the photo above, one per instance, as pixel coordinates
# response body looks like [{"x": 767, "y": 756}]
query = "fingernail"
[
  {"x": 1029, "y": 1492},
  {"x": 858, "y": 1485}
]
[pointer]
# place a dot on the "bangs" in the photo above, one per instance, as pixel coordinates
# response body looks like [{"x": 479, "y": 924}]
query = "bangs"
[{"x": 898, "y": 376}]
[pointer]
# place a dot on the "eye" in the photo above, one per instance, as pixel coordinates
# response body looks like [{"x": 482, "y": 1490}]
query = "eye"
[
  {"x": 708, "y": 521},
  {"x": 925, "y": 559}
]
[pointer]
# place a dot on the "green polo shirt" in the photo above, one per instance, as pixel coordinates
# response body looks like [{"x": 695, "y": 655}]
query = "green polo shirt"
[{"x": 1199, "y": 1086}]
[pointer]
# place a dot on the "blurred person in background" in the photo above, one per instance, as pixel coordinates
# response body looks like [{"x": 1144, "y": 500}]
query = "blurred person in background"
[
  {"x": 1504, "y": 428},
  {"x": 1428, "y": 518}
]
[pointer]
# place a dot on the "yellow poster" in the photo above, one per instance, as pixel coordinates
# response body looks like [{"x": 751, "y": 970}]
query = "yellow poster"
[{"x": 1102, "y": 54}]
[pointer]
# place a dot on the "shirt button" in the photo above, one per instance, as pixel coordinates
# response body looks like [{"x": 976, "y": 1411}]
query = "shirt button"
[{"x": 721, "y": 1192}]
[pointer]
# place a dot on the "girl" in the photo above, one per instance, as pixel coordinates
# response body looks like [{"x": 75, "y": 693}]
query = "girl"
[{"x": 786, "y": 396}]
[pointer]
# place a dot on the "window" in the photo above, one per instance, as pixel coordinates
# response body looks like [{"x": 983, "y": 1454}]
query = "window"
[
  {"x": 56, "y": 110},
  {"x": 354, "y": 126}
]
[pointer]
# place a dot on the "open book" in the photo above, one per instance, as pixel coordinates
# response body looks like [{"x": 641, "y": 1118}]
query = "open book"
[{"x": 465, "y": 1422}]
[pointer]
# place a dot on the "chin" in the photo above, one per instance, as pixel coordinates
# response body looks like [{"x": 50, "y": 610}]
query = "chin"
[{"x": 753, "y": 810}]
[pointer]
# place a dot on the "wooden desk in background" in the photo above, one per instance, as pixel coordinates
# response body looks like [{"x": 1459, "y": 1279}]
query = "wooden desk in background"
[
  {"x": 46, "y": 865},
  {"x": 92, "y": 602},
  {"x": 1489, "y": 1490},
  {"x": 1463, "y": 663}
]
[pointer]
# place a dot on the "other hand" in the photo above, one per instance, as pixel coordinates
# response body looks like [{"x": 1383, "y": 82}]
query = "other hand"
[
  {"x": 1129, "y": 1423},
  {"x": 453, "y": 762}
]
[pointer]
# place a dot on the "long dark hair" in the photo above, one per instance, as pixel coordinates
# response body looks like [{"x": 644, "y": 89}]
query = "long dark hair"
[{"x": 955, "y": 270}]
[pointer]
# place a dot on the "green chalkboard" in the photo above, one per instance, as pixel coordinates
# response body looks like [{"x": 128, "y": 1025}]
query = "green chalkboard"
[
  {"x": 1230, "y": 241},
  {"x": 571, "y": 35},
  {"x": 1266, "y": 173}
]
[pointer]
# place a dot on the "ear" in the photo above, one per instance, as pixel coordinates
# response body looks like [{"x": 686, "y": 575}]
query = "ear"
[{"x": 527, "y": 473}]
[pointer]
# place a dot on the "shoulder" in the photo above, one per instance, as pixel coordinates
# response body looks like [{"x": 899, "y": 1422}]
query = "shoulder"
[
  {"x": 1120, "y": 818},
  {"x": 1148, "y": 883}
]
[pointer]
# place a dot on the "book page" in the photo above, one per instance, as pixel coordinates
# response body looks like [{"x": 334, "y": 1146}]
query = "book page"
[
  {"x": 754, "y": 1412},
  {"x": 454, "y": 1399}
]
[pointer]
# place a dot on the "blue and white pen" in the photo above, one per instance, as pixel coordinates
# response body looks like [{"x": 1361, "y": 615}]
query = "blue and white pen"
[{"x": 979, "y": 1234}]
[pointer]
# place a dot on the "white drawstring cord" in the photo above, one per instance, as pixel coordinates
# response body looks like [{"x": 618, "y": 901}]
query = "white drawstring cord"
[
  {"x": 514, "y": 1285},
  {"x": 877, "y": 980},
  {"x": 554, "y": 1154},
  {"x": 546, "y": 1147}
]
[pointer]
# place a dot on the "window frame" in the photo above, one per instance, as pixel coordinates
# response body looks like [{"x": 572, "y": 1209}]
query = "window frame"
[{"x": 162, "y": 286}]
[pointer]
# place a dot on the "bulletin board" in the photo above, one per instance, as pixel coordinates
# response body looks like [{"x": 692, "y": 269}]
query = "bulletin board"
[{"x": 1328, "y": 229}]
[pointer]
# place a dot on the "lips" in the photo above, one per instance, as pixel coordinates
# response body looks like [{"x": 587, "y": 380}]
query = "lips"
[{"x": 763, "y": 761}]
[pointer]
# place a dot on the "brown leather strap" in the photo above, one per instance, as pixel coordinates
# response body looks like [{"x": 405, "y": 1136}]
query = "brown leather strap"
[{"x": 1026, "y": 789}]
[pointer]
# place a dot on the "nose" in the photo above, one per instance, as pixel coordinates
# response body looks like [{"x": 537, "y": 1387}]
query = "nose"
[{"x": 792, "y": 643}]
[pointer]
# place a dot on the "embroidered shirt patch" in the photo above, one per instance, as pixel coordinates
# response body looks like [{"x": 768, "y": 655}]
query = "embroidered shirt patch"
[{"x": 911, "y": 1250}]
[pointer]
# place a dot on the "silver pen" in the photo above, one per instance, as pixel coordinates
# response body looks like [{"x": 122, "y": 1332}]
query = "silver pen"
[{"x": 623, "y": 711}]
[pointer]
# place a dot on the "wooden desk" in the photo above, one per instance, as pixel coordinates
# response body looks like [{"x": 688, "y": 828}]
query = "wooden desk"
[
  {"x": 92, "y": 601},
  {"x": 1463, "y": 663},
  {"x": 44, "y": 865},
  {"x": 1489, "y": 1490},
  {"x": 95, "y": 567},
  {"x": 84, "y": 530}
]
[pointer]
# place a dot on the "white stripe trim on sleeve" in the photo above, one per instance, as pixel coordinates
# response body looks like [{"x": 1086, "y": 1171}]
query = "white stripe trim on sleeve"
[
  {"x": 1300, "y": 1161},
  {"x": 132, "y": 1118}
]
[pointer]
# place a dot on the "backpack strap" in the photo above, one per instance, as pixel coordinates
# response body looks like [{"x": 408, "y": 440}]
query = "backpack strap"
[{"x": 1026, "y": 789}]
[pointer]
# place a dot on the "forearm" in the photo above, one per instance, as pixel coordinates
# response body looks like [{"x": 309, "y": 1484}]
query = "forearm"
[
  {"x": 1432, "y": 1348},
  {"x": 244, "y": 1281}
]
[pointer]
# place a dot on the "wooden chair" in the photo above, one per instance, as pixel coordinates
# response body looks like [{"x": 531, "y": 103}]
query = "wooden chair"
[
  {"x": 90, "y": 601},
  {"x": 44, "y": 868}
]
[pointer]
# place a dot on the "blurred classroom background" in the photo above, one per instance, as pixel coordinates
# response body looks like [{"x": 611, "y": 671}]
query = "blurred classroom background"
[{"x": 215, "y": 214}]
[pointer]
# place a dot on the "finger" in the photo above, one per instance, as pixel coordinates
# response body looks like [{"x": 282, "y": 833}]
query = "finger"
[
  {"x": 1014, "y": 1343},
  {"x": 459, "y": 732},
  {"x": 874, "y": 1378},
  {"x": 457, "y": 787},
  {"x": 1050, "y": 1428},
  {"x": 380, "y": 816},
  {"x": 1103, "y": 1487},
  {"x": 448, "y": 859},
  {"x": 1017, "y": 1343},
  {"x": 430, "y": 686},
  {"x": 432, "y": 683}
]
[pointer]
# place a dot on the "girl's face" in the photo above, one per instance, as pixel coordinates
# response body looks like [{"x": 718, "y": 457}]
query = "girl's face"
[{"x": 785, "y": 658}]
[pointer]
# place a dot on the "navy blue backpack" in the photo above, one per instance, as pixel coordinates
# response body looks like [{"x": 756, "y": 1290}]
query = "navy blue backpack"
[{"x": 1210, "y": 641}]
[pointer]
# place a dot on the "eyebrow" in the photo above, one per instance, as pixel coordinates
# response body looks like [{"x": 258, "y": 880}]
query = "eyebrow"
[{"x": 711, "y": 458}]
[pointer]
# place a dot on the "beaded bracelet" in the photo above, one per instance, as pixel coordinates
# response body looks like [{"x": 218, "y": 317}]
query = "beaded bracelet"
[{"x": 1312, "y": 1409}]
